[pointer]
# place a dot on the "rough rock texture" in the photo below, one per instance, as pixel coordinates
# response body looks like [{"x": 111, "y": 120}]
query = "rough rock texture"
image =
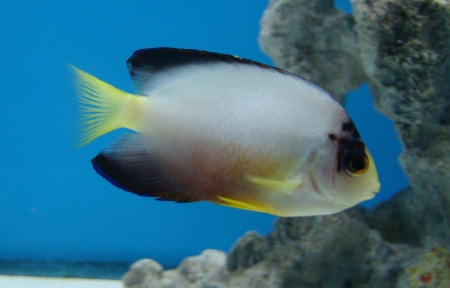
[
  {"x": 409, "y": 219},
  {"x": 433, "y": 270},
  {"x": 313, "y": 39},
  {"x": 328, "y": 251},
  {"x": 402, "y": 49},
  {"x": 207, "y": 270},
  {"x": 405, "y": 48},
  {"x": 336, "y": 251}
]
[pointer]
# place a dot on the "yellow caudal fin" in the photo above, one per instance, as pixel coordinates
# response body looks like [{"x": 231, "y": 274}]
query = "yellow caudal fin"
[{"x": 104, "y": 108}]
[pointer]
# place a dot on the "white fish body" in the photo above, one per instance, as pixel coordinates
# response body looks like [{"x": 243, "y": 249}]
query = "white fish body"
[{"x": 228, "y": 130}]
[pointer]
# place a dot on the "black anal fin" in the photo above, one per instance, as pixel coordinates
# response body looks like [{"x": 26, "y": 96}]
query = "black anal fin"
[{"x": 128, "y": 164}]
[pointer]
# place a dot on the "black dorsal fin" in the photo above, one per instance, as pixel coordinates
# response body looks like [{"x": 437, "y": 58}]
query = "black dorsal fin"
[
  {"x": 146, "y": 65},
  {"x": 129, "y": 165}
]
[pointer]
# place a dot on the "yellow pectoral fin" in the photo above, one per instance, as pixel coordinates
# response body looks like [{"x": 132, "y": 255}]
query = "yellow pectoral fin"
[
  {"x": 258, "y": 207},
  {"x": 271, "y": 185}
]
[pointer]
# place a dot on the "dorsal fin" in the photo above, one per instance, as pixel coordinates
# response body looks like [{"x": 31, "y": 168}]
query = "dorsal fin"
[{"x": 147, "y": 65}]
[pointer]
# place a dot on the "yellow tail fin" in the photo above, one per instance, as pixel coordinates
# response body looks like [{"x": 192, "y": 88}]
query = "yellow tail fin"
[{"x": 103, "y": 107}]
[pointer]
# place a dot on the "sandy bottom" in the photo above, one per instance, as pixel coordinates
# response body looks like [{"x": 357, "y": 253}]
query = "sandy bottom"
[{"x": 49, "y": 282}]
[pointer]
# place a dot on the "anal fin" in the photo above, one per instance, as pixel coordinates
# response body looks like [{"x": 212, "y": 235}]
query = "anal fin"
[
  {"x": 130, "y": 165},
  {"x": 258, "y": 207}
]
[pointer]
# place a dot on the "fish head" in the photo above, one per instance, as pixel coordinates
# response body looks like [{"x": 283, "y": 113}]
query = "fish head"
[
  {"x": 346, "y": 173},
  {"x": 336, "y": 178},
  {"x": 357, "y": 179}
]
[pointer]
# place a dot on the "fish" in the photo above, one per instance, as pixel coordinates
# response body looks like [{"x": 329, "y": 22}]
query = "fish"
[{"x": 207, "y": 126}]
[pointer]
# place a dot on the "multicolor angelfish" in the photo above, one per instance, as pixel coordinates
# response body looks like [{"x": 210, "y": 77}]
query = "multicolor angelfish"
[{"x": 227, "y": 130}]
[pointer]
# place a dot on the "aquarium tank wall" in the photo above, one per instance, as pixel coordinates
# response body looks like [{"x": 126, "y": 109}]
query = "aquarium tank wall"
[{"x": 386, "y": 61}]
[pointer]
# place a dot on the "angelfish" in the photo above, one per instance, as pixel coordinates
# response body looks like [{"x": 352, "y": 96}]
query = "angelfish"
[{"x": 228, "y": 130}]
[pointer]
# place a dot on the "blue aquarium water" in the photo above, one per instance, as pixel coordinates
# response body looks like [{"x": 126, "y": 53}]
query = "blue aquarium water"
[{"x": 54, "y": 205}]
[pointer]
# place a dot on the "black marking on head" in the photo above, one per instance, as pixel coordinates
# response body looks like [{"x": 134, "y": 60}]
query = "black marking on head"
[
  {"x": 348, "y": 146},
  {"x": 164, "y": 58},
  {"x": 332, "y": 136},
  {"x": 349, "y": 126}
]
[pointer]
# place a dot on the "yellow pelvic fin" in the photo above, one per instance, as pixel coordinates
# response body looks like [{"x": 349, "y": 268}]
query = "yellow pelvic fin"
[
  {"x": 271, "y": 185},
  {"x": 258, "y": 207},
  {"x": 104, "y": 108}
]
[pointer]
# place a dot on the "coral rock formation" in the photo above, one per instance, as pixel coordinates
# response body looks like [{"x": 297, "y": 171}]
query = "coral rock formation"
[
  {"x": 206, "y": 270},
  {"x": 405, "y": 49},
  {"x": 326, "y": 251},
  {"x": 315, "y": 40}
]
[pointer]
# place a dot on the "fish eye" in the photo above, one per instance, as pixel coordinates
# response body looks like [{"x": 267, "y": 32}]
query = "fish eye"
[{"x": 355, "y": 164}]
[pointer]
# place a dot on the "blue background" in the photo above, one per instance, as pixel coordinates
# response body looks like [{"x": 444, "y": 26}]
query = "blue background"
[{"x": 53, "y": 204}]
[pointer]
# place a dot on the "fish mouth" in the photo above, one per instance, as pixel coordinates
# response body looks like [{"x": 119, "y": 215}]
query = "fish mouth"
[{"x": 376, "y": 187}]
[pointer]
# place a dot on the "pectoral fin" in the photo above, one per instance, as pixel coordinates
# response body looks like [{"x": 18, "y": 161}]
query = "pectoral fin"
[{"x": 278, "y": 186}]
